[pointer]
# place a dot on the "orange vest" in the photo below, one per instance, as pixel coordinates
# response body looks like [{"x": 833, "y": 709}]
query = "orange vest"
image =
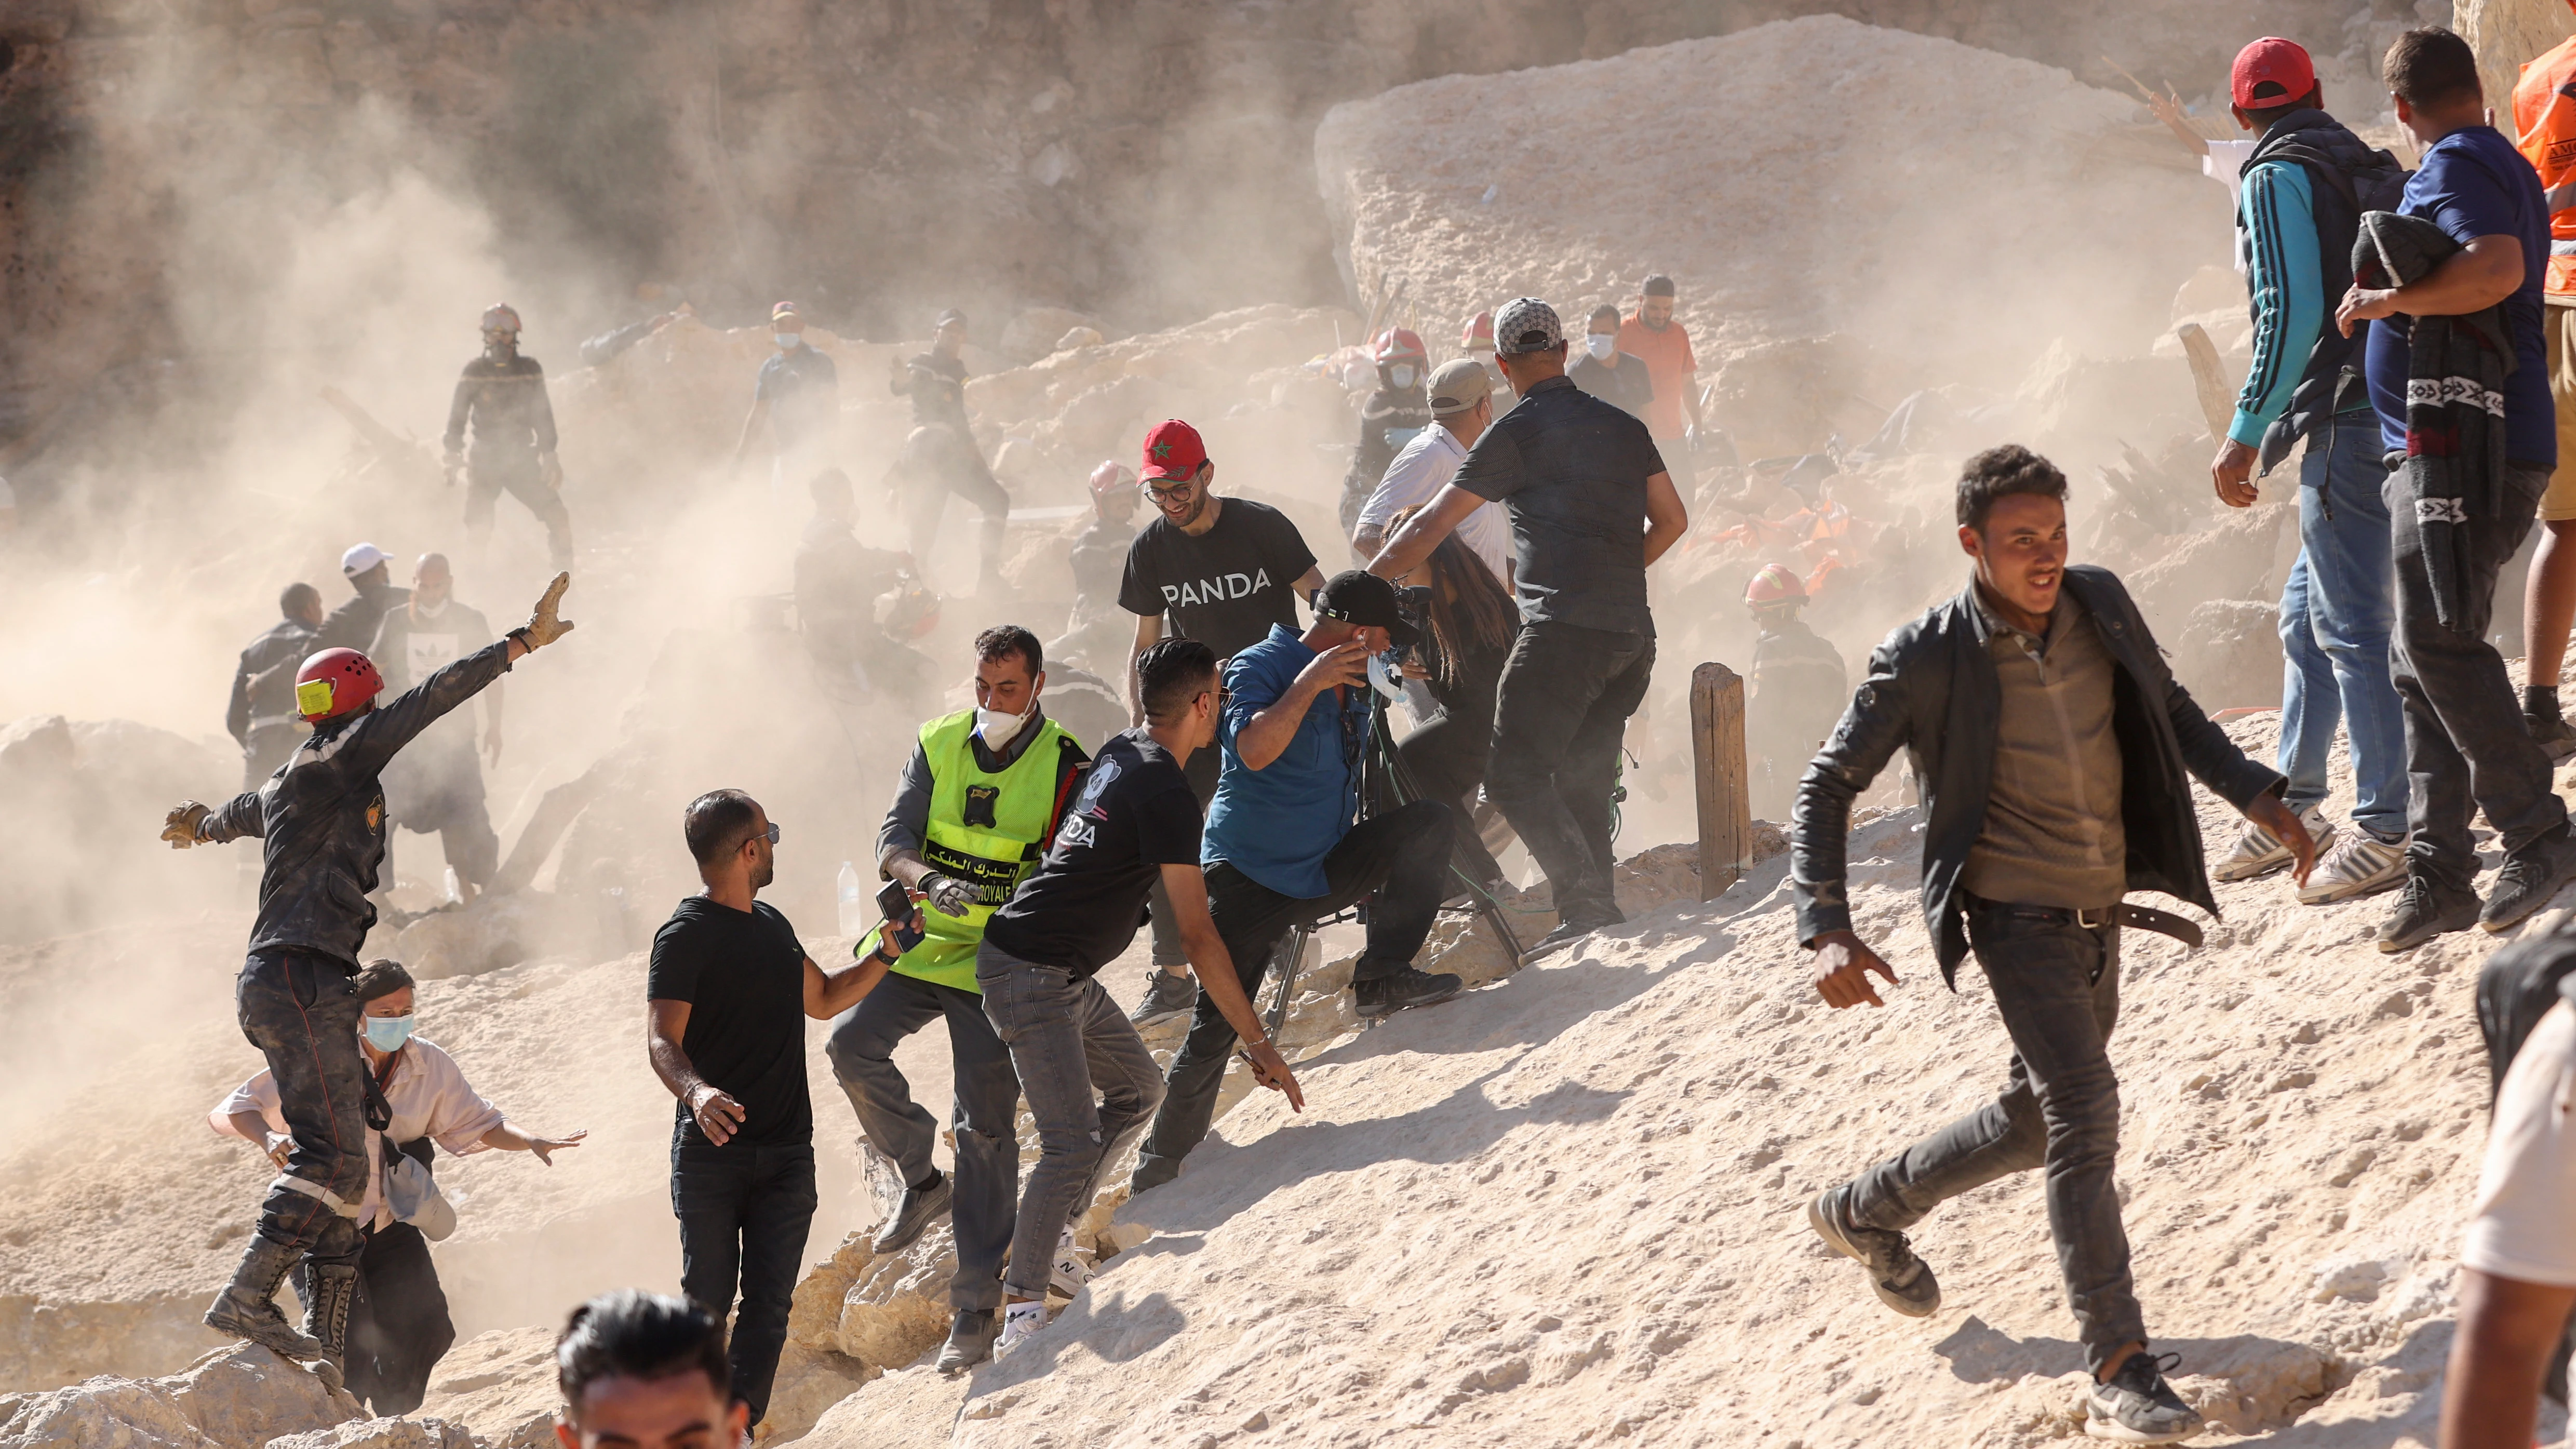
[{"x": 2544, "y": 116}]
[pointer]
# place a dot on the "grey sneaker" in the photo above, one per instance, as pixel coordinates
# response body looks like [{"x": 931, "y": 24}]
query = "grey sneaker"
[
  {"x": 970, "y": 1339},
  {"x": 919, "y": 1208},
  {"x": 1387, "y": 995},
  {"x": 2138, "y": 1407},
  {"x": 1166, "y": 995},
  {"x": 2360, "y": 864},
  {"x": 2258, "y": 852},
  {"x": 2425, "y": 910},
  {"x": 2530, "y": 877},
  {"x": 1901, "y": 1280}
]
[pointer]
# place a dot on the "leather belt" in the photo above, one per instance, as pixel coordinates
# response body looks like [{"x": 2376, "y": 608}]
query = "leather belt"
[{"x": 2144, "y": 918}]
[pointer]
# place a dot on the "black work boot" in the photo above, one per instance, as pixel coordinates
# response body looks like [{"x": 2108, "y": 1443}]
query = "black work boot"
[
  {"x": 2530, "y": 877},
  {"x": 247, "y": 1308},
  {"x": 915, "y": 1212},
  {"x": 970, "y": 1339},
  {"x": 326, "y": 1317},
  {"x": 2426, "y": 909},
  {"x": 1405, "y": 987},
  {"x": 1901, "y": 1280}
]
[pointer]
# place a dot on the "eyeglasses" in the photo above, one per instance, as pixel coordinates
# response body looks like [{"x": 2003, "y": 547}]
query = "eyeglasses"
[{"x": 1176, "y": 492}]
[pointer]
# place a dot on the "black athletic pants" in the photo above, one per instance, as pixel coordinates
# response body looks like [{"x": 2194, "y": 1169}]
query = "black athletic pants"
[
  {"x": 1558, "y": 724},
  {"x": 744, "y": 1212},
  {"x": 398, "y": 1324}
]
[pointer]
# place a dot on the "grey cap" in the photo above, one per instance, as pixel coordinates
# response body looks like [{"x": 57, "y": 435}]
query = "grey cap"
[
  {"x": 1458, "y": 385},
  {"x": 1526, "y": 324}
]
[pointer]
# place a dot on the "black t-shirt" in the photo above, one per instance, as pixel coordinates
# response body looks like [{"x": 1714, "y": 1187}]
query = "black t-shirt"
[
  {"x": 1225, "y": 587},
  {"x": 1135, "y": 815},
  {"x": 1572, "y": 470},
  {"x": 1628, "y": 387},
  {"x": 743, "y": 975}
]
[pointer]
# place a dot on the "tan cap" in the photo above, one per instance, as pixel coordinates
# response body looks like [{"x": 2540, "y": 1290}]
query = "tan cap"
[{"x": 1459, "y": 385}]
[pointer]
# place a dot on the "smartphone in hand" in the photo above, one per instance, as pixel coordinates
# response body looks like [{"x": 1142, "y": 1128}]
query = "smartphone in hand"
[{"x": 895, "y": 904}]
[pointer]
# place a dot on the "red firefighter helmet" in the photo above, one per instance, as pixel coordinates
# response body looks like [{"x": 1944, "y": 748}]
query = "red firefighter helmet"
[
  {"x": 336, "y": 682},
  {"x": 1111, "y": 476},
  {"x": 1479, "y": 336},
  {"x": 1775, "y": 584},
  {"x": 1400, "y": 344},
  {"x": 501, "y": 317}
]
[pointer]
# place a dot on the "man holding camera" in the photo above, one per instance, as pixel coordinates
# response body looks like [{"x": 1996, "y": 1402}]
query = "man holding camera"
[
  {"x": 976, "y": 805},
  {"x": 1281, "y": 848}
]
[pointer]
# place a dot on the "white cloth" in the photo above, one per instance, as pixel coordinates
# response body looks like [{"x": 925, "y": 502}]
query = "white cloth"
[
  {"x": 2224, "y": 163},
  {"x": 429, "y": 1097},
  {"x": 1422, "y": 469},
  {"x": 2524, "y": 1225}
]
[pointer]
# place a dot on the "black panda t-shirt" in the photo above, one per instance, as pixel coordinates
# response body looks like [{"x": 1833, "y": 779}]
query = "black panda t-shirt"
[{"x": 1225, "y": 587}]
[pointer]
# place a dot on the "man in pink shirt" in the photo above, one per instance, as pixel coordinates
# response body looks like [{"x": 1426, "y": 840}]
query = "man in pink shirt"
[{"x": 1652, "y": 334}]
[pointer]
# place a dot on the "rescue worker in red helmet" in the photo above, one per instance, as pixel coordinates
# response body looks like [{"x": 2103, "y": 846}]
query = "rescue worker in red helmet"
[
  {"x": 1392, "y": 416},
  {"x": 321, "y": 821},
  {"x": 1478, "y": 342},
  {"x": 1097, "y": 632},
  {"x": 503, "y": 395},
  {"x": 1799, "y": 688}
]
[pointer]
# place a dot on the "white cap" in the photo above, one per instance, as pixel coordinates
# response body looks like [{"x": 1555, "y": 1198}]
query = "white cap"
[{"x": 361, "y": 558}]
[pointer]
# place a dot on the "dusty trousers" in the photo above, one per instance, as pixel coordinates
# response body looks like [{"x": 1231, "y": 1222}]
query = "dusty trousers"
[
  {"x": 1559, "y": 722},
  {"x": 984, "y": 1115},
  {"x": 490, "y": 475},
  {"x": 2057, "y": 985},
  {"x": 298, "y": 1008}
]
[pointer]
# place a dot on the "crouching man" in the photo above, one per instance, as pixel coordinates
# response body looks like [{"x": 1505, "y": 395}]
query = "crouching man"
[{"x": 2051, "y": 743}]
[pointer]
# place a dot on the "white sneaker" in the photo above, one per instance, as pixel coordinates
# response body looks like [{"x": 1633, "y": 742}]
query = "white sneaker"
[
  {"x": 1019, "y": 1322},
  {"x": 2362, "y": 864},
  {"x": 2259, "y": 853},
  {"x": 1069, "y": 1272}
]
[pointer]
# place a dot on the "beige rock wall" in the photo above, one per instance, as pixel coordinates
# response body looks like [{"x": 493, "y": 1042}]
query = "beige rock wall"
[{"x": 2508, "y": 35}]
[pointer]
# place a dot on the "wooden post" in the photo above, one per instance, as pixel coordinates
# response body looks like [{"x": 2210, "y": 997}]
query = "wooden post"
[{"x": 1717, "y": 762}]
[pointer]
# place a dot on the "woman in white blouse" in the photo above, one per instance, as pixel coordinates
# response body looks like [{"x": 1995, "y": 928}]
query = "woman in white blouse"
[{"x": 384, "y": 1316}]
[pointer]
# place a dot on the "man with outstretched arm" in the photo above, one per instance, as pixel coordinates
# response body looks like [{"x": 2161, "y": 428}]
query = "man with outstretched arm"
[
  {"x": 728, "y": 992},
  {"x": 2051, "y": 743},
  {"x": 1136, "y": 822},
  {"x": 321, "y": 824}
]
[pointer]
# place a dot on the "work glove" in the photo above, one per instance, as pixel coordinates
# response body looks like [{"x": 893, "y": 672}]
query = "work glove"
[
  {"x": 179, "y": 827},
  {"x": 952, "y": 896},
  {"x": 543, "y": 627},
  {"x": 550, "y": 470}
]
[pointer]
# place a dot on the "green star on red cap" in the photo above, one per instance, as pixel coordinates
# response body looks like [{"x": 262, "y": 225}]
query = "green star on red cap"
[{"x": 1162, "y": 450}]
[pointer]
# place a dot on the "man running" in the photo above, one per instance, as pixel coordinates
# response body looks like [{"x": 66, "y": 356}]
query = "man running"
[
  {"x": 2051, "y": 744},
  {"x": 321, "y": 823},
  {"x": 975, "y": 807},
  {"x": 502, "y": 396}
]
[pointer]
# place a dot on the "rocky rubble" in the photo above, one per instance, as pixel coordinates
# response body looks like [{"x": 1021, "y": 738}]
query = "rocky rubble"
[{"x": 242, "y": 1397}]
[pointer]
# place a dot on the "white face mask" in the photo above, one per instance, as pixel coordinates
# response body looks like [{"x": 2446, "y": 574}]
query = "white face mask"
[
  {"x": 790, "y": 340},
  {"x": 998, "y": 730},
  {"x": 1600, "y": 345},
  {"x": 1400, "y": 375}
]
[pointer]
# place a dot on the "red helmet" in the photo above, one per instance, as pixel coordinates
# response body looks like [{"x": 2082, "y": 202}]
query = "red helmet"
[
  {"x": 501, "y": 317},
  {"x": 1775, "y": 584},
  {"x": 336, "y": 682},
  {"x": 1111, "y": 476},
  {"x": 1479, "y": 336},
  {"x": 1400, "y": 344}
]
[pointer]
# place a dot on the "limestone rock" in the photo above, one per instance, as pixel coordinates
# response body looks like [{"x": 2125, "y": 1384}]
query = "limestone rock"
[
  {"x": 240, "y": 1397},
  {"x": 381, "y": 1434},
  {"x": 500, "y": 1386},
  {"x": 2507, "y": 35},
  {"x": 1032, "y": 334},
  {"x": 880, "y": 1311}
]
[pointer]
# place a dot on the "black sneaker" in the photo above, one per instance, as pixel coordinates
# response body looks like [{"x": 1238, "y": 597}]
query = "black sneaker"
[
  {"x": 2138, "y": 1407},
  {"x": 2425, "y": 910},
  {"x": 1167, "y": 995},
  {"x": 2530, "y": 877},
  {"x": 1575, "y": 928},
  {"x": 1902, "y": 1281},
  {"x": 970, "y": 1339},
  {"x": 1387, "y": 995},
  {"x": 2554, "y": 735},
  {"x": 919, "y": 1208}
]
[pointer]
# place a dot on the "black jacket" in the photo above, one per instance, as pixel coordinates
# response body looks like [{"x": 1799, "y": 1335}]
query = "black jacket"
[
  {"x": 506, "y": 404},
  {"x": 353, "y": 625},
  {"x": 321, "y": 817},
  {"x": 264, "y": 681},
  {"x": 1932, "y": 690},
  {"x": 2346, "y": 178}
]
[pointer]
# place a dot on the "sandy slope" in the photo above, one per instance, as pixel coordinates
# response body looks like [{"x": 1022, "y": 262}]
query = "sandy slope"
[{"x": 1567, "y": 1209}]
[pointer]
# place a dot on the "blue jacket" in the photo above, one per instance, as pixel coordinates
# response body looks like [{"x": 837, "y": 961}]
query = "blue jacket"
[{"x": 1276, "y": 824}]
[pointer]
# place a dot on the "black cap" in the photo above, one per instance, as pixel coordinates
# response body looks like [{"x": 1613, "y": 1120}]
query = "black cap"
[
  {"x": 1362, "y": 598},
  {"x": 1657, "y": 285},
  {"x": 951, "y": 315}
]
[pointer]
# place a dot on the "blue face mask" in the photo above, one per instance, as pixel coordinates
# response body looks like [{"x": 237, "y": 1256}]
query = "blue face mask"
[{"x": 388, "y": 1033}]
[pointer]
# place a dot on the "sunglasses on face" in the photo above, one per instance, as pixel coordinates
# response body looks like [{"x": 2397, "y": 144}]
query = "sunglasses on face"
[{"x": 771, "y": 834}]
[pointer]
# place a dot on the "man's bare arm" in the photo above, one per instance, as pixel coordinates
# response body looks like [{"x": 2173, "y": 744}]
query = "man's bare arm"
[
  {"x": 1414, "y": 542},
  {"x": 1666, "y": 519},
  {"x": 829, "y": 993},
  {"x": 1149, "y": 632},
  {"x": 1186, "y": 889},
  {"x": 2472, "y": 279},
  {"x": 2508, "y": 1330},
  {"x": 666, "y": 1023},
  {"x": 751, "y": 422}
]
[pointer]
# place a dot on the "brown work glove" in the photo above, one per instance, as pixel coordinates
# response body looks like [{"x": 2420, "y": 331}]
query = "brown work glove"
[
  {"x": 543, "y": 627},
  {"x": 179, "y": 827}
]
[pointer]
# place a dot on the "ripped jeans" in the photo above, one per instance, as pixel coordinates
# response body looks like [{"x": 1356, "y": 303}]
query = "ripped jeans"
[{"x": 1066, "y": 1038}]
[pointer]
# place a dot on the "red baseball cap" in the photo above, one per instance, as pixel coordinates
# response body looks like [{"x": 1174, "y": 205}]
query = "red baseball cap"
[
  {"x": 1173, "y": 450},
  {"x": 2280, "y": 62}
]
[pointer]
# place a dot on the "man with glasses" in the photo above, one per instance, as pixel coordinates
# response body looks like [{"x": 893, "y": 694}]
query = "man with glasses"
[
  {"x": 1223, "y": 571},
  {"x": 1282, "y": 847},
  {"x": 727, "y": 993}
]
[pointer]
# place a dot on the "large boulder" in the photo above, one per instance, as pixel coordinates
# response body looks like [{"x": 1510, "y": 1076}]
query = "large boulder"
[{"x": 236, "y": 1398}]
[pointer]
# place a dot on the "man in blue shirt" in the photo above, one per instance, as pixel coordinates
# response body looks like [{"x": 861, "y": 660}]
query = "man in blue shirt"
[
  {"x": 1280, "y": 847},
  {"x": 2298, "y": 209},
  {"x": 2466, "y": 746},
  {"x": 798, "y": 394}
]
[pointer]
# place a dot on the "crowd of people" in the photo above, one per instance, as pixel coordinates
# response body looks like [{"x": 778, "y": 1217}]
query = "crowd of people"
[{"x": 1503, "y": 511}]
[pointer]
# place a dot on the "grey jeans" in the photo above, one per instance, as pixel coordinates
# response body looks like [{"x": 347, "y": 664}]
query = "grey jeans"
[
  {"x": 1067, "y": 1038},
  {"x": 2058, "y": 987},
  {"x": 984, "y": 1114},
  {"x": 2467, "y": 748}
]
